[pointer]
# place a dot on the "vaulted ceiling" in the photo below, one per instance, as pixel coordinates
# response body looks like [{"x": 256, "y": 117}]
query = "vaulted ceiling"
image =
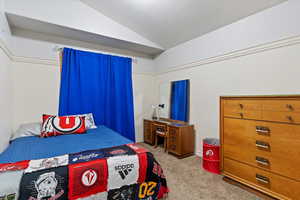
[
  {"x": 134, "y": 27},
  {"x": 171, "y": 22}
]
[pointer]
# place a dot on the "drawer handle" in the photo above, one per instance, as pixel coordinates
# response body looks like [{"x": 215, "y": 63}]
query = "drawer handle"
[
  {"x": 262, "y": 161},
  {"x": 262, "y": 130},
  {"x": 290, "y": 107},
  {"x": 290, "y": 118},
  {"x": 242, "y": 115},
  {"x": 241, "y": 106},
  {"x": 262, "y": 179},
  {"x": 263, "y": 145}
]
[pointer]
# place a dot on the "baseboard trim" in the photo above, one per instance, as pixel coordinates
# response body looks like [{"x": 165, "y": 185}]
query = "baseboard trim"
[{"x": 236, "y": 54}]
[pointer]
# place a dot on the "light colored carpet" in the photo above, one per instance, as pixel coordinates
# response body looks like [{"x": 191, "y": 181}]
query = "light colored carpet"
[{"x": 188, "y": 181}]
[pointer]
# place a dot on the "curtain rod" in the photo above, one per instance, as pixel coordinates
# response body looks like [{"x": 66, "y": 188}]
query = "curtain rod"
[{"x": 60, "y": 49}]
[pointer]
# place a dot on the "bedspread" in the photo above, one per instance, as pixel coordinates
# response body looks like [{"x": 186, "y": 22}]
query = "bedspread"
[
  {"x": 32, "y": 148},
  {"x": 126, "y": 172}
]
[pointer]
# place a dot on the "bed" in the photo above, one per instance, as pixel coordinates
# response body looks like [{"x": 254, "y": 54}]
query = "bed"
[{"x": 100, "y": 165}]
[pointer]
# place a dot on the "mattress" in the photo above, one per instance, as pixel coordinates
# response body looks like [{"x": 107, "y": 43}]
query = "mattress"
[{"x": 31, "y": 148}]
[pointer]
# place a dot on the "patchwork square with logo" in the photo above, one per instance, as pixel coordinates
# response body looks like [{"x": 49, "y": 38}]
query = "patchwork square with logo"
[
  {"x": 45, "y": 184},
  {"x": 137, "y": 148},
  {"x": 87, "y": 178},
  {"x": 85, "y": 156},
  {"x": 122, "y": 170},
  {"x": 36, "y": 165},
  {"x": 148, "y": 190},
  {"x": 124, "y": 193},
  {"x": 118, "y": 151}
]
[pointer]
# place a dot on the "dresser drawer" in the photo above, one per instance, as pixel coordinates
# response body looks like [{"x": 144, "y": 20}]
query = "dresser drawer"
[
  {"x": 276, "y": 185},
  {"x": 148, "y": 135},
  {"x": 240, "y": 104},
  {"x": 267, "y": 145},
  {"x": 173, "y": 140},
  {"x": 242, "y": 109},
  {"x": 243, "y": 114},
  {"x": 286, "y": 117},
  {"x": 281, "y": 105}
]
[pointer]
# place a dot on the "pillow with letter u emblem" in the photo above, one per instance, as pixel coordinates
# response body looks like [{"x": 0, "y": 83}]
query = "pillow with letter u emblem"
[{"x": 62, "y": 125}]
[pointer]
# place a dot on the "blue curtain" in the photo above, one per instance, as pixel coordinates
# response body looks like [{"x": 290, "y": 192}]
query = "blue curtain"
[
  {"x": 180, "y": 100},
  {"x": 99, "y": 84}
]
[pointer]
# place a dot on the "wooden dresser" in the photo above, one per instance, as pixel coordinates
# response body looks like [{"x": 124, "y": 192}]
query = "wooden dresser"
[
  {"x": 260, "y": 138},
  {"x": 181, "y": 136}
]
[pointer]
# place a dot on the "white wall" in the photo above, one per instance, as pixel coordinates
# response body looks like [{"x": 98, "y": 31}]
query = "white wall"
[
  {"x": 42, "y": 50},
  {"x": 144, "y": 98},
  {"x": 271, "y": 72},
  {"x": 5, "y": 85},
  {"x": 5, "y": 100},
  {"x": 4, "y": 28},
  {"x": 275, "y": 71},
  {"x": 36, "y": 86},
  {"x": 273, "y": 24},
  {"x": 36, "y": 92}
]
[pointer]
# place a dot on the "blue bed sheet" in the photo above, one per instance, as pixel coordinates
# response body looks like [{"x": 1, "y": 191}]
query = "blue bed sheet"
[{"x": 30, "y": 148}]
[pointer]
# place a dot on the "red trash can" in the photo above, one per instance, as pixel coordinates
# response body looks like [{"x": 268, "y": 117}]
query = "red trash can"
[{"x": 211, "y": 155}]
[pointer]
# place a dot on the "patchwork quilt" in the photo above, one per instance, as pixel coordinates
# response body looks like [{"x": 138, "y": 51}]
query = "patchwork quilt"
[{"x": 125, "y": 172}]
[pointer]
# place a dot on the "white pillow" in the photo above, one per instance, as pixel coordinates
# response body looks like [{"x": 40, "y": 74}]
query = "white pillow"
[
  {"x": 89, "y": 120},
  {"x": 25, "y": 130}
]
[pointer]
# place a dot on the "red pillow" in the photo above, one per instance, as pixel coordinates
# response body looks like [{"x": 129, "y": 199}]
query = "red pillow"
[{"x": 56, "y": 125}]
